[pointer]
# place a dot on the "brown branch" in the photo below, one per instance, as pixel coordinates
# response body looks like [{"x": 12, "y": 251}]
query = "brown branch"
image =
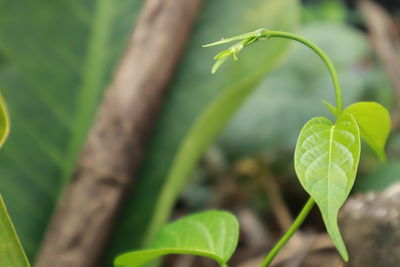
[
  {"x": 386, "y": 42},
  {"x": 116, "y": 142}
]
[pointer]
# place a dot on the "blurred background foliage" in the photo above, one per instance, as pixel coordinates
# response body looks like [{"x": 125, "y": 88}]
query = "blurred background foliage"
[{"x": 56, "y": 58}]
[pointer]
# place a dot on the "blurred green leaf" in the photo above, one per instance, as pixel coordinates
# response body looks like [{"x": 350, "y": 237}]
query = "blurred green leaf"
[
  {"x": 326, "y": 161},
  {"x": 11, "y": 251},
  {"x": 212, "y": 234},
  {"x": 193, "y": 89},
  {"x": 323, "y": 11},
  {"x": 56, "y": 57},
  {"x": 380, "y": 178},
  {"x": 374, "y": 122},
  {"x": 293, "y": 92}
]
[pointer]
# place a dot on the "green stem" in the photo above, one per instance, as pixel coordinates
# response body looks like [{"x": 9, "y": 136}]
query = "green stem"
[
  {"x": 285, "y": 238},
  {"x": 324, "y": 57}
]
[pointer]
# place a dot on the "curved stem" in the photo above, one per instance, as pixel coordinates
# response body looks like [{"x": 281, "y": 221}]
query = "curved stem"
[
  {"x": 285, "y": 238},
  {"x": 324, "y": 57}
]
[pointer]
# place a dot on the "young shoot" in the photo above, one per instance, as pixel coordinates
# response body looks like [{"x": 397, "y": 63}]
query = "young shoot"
[
  {"x": 326, "y": 160},
  {"x": 327, "y": 153}
]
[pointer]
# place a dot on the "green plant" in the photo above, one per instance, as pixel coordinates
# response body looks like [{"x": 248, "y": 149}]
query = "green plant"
[{"x": 326, "y": 155}]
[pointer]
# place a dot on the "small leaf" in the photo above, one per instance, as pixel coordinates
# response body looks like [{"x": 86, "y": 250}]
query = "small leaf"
[
  {"x": 326, "y": 161},
  {"x": 11, "y": 251},
  {"x": 246, "y": 39},
  {"x": 212, "y": 234},
  {"x": 374, "y": 122},
  {"x": 218, "y": 64},
  {"x": 4, "y": 122},
  {"x": 233, "y": 51},
  {"x": 252, "y": 35}
]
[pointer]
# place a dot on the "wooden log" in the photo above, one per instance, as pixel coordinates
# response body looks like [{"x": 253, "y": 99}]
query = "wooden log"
[{"x": 116, "y": 142}]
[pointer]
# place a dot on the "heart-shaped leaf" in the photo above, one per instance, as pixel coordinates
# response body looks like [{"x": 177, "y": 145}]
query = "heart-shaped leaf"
[
  {"x": 374, "y": 122},
  {"x": 212, "y": 234},
  {"x": 4, "y": 122},
  {"x": 326, "y": 161},
  {"x": 11, "y": 252}
]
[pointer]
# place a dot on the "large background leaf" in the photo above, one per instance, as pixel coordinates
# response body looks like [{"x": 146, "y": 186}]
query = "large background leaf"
[
  {"x": 187, "y": 99},
  {"x": 213, "y": 234},
  {"x": 55, "y": 59}
]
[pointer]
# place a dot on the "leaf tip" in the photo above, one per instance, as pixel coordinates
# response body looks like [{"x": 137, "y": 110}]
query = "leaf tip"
[
  {"x": 214, "y": 68},
  {"x": 218, "y": 64},
  {"x": 345, "y": 256}
]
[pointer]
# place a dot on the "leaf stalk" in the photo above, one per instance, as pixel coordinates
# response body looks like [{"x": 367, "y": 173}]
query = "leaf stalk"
[{"x": 290, "y": 232}]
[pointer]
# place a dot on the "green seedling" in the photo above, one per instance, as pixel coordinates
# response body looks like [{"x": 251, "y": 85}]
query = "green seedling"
[
  {"x": 326, "y": 161},
  {"x": 327, "y": 153}
]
